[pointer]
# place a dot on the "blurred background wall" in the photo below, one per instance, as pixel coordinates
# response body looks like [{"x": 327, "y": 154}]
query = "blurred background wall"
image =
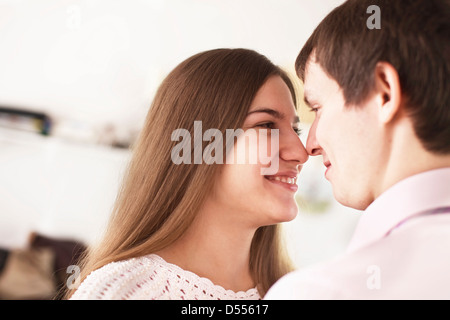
[{"x": 92, "y": 67}]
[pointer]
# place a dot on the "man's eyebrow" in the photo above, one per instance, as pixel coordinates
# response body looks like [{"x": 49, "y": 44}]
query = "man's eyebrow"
[
  {"x": 308, "y": 98},
  {"x": 305, "y": 99}
]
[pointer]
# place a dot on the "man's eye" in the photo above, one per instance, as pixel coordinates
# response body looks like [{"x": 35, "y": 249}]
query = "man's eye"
[{"x": 314, "y": 108}]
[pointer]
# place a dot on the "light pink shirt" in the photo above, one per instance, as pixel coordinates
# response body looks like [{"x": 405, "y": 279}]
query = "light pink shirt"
[{"x": 400, "y": 249}]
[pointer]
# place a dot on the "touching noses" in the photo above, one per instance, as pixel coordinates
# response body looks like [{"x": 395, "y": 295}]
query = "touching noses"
[{"x": 292, "y": 149}]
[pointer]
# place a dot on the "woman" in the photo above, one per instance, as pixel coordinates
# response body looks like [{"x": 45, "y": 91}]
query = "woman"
[{"x": 198, "y": 230}]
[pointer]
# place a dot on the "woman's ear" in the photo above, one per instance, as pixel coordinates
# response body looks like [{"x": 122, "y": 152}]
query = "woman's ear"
[{"x": 387, "y": 86}]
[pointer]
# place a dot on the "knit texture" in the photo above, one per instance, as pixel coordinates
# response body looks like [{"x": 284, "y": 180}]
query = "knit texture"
[{"x": 150, "y": 278}]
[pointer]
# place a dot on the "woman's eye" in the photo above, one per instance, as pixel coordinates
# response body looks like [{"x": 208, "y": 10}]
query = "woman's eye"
[
  {"x": 298, "y": 131},
  {"x": 267, "y": 125}
]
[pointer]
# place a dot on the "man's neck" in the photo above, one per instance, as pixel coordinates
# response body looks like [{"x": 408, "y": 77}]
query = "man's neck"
[{"x": 407, "y": 158}]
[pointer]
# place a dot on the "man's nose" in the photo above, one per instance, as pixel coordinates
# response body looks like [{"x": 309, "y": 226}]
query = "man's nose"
[{"x": 312, "y": 146}]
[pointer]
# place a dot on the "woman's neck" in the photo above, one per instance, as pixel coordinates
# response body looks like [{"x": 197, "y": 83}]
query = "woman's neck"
[{"x": 215, "y": 248}]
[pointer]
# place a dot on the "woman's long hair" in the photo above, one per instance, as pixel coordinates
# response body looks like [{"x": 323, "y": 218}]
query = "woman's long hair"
[{"x": 158, "y": 199}]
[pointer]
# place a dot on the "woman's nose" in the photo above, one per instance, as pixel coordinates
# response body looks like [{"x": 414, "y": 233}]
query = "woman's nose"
[{"x": 292, "y": 148}]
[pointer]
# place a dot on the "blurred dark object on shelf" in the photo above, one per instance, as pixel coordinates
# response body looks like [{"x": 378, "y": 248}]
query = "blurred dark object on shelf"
[
  {"x": 22, "y": 119},
  {"x": 38, "y": 272}
]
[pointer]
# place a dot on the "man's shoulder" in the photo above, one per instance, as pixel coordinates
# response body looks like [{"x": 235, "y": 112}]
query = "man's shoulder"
[
  {"x": 326, "y": 280},
  {"x": 409, "y": 263}
]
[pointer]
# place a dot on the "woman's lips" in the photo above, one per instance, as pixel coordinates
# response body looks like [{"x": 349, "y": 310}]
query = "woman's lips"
[{"x": 287, "y": 182}]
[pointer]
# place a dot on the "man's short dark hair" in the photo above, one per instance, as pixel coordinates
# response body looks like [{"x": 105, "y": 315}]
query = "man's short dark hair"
[{"x": 414, "y": 38}]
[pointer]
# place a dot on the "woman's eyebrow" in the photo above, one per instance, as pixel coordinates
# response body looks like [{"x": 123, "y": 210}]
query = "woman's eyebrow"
[{"x": 274, "y": 113}]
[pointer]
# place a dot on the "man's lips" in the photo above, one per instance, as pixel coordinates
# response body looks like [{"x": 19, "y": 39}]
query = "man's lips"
[{"x": 327, "y": 164}]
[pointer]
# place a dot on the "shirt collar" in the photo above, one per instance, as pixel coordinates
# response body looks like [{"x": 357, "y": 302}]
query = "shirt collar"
[{"x": 420, "y": 192}]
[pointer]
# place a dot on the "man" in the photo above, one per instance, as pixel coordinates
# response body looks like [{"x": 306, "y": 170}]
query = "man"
[{"x": 382, "y": 101}]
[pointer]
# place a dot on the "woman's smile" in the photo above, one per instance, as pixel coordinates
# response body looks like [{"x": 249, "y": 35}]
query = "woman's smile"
[{"x": 288, "y": 182}]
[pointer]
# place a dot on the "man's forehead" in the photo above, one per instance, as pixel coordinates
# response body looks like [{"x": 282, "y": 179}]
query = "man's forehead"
[
  {"x": 313, "y": 69},
  {"x": 312, "y": 72},
  {"x": 311, "y": 91},
  {"x": 317, "y": 82}
]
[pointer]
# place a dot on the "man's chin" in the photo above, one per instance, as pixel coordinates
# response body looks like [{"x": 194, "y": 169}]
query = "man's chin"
[{"x": 351, "y": 200}]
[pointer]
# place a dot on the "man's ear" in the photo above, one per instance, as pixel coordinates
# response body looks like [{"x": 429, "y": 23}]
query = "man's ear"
[{"x": 387, "y": 86}]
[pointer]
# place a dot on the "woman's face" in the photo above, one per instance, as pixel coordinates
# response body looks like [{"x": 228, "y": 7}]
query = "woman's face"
[{"x": 262, "y": 192}]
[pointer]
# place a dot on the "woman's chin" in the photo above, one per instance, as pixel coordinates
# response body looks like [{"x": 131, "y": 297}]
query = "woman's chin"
[
  {"x": 285, "y": 212},
  {"x": 291, "y": 213}
]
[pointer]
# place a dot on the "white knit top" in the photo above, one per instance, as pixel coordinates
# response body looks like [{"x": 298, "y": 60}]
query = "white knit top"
[{"x": 151, "y": 277}]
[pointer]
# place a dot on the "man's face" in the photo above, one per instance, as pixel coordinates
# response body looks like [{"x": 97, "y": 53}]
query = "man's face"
[{"x": 348, "y": 137}]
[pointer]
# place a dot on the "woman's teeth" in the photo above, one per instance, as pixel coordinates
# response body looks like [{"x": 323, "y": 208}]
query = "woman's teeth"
[{"x": 283, "y": 179}]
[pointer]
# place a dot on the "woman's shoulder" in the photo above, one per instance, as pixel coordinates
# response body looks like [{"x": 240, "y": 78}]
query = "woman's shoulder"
[
  {"x": 151, "y": 277},
  {"x": 135, "y": 278}
]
